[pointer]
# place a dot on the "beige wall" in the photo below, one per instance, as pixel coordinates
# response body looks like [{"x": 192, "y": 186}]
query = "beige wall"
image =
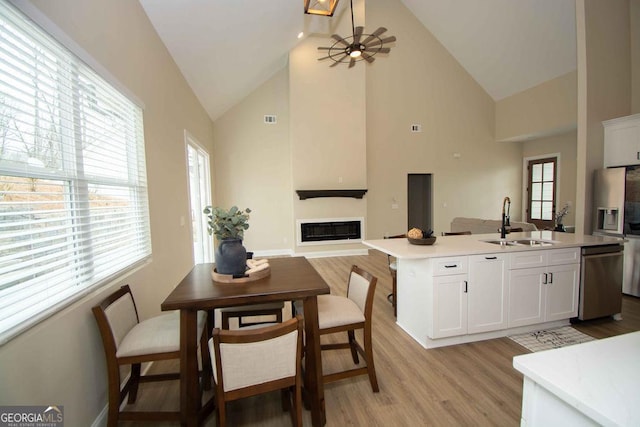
[
  {"x": 604, "y": 88},
  {"x": 565, "y": 146},
  {"x": 421, "y": 83},
  {"x": 546, "y": 109},
  {"x": 635, "y": 55},
  {"x": 60, "y": 361},
  {"x": 328, "y": 135},
  {"x": 252, "y": 162}
]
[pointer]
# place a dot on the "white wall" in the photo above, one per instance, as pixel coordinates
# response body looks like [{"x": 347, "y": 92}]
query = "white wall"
[{"x": 60, "y": 361}]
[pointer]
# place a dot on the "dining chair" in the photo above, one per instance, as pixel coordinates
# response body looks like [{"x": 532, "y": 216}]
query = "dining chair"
[
  {"x": 258, "y": 360},
  {"x": 244, "y": 311},
  {"x": 393, "y": 270},
  {"x": 348, "y": 314},
  {"x": 456, "y": 233},
  {"x": 128, "y": 341}
]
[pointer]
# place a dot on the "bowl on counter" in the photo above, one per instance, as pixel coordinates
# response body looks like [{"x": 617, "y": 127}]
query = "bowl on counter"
[{"x": 428, "y": 241}]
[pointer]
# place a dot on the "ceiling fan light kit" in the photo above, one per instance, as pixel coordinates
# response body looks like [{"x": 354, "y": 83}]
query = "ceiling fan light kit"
[
  {"x": 320, "y": 7},
  {"x": 357, "y": 47}
]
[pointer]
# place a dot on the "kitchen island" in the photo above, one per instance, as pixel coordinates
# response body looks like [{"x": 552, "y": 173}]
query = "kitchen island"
[
  {"x": 474, "y": 287},
  {"x": 594, "y": 383}
]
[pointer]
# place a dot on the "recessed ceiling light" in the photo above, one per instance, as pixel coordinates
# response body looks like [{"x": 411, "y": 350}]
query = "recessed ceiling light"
[{"x": 300, "y": 34}]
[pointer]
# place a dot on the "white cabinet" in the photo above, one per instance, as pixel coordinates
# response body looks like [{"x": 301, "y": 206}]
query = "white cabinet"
[
  {"x": 622, "y": 141},
  {"x": 487, "y": 302},
  {"x": 449, "y": 305},
  {"x": 543, "y": 286},
  {"x": 469, "y": 299},
  {"x": 450, "y": 282}
]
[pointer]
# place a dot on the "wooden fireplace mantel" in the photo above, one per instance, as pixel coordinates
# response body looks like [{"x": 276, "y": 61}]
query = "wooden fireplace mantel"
[{"x": 310, "y": 194}]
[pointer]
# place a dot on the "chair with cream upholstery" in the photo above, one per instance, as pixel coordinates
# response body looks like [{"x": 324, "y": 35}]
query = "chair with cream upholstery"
[
  {"x": 393, "y": 270},
  {"x": 258, "y": 360},
  {"x": 127, "y": 341},
  {"x": 456, "y": 233},
  {"x": 248, "y": 311},
  {"x": 347, "y": 314}
]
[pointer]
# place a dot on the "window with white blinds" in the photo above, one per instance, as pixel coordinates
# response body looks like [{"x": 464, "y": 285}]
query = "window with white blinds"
[{"x": 73, "y": 190}]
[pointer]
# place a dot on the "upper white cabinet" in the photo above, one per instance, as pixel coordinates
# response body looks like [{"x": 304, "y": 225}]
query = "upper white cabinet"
[{"x": 622, "y": 141}]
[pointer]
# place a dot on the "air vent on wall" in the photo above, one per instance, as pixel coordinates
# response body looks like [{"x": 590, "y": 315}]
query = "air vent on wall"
[{"x": 270, "y": 119}]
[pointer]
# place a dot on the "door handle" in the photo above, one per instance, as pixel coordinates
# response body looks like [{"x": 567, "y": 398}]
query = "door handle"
[
  {"x": 491, "y": 257},
  {"x": 466, "y": 286},
  {"x": 545, "y": 279},
  {"x": 550, "y": 277},
  {"x": 451, "y": 266}
]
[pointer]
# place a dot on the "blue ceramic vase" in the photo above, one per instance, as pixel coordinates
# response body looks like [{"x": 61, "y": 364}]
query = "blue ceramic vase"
[{"x": 231, "y": 257}]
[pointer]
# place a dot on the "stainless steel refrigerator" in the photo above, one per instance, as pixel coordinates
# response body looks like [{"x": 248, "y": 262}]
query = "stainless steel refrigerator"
[{"x": 617, "y": 213}]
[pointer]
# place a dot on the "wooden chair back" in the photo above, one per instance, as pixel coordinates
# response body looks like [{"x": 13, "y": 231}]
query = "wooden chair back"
[{"x": 255, "y": 361}]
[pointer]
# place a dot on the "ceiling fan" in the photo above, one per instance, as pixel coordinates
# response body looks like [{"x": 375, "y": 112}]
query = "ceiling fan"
[{"x": 358, "y": 46}]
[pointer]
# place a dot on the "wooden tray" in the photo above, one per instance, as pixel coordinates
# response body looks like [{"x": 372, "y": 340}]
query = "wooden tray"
[{"x": 228, "y": 278}]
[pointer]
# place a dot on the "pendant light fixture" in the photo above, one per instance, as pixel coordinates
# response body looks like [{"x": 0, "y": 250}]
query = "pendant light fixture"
[{"x": 320, "y": 7}]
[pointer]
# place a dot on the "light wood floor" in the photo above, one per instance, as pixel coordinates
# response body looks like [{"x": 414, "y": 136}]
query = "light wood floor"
[{"x": 468, "y": 384}]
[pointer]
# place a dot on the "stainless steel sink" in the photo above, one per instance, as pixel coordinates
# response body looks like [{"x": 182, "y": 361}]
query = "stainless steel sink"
[
  {"x": 535, "y": 242},
  {"x": 502, "y": 242},
  {"x": 522, "y": 242}
]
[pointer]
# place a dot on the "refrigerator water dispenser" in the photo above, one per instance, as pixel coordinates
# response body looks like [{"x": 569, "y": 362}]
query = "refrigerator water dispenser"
[{"x": 608, "y": 219}]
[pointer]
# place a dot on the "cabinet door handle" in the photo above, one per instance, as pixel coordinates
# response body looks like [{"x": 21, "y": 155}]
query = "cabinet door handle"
[
  {"x": 491, "y": 257},
  {"x": 451, "y": 266},
  {"x": 466, "y": 286},
  {"x": 638, "y": 155},
  {"x": 550, "y": 277},
  {"x": 545, "y": 279}
]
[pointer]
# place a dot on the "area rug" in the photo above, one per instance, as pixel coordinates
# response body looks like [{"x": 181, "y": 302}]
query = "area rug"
[{"x": 548, "y": 339}]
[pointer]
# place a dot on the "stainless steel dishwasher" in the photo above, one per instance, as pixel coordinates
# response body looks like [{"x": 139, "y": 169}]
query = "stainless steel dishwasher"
[{"x": 601, "y": 281}]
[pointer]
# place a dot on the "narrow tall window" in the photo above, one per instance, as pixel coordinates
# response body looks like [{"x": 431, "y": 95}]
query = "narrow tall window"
[
  {"x": 73, "y": 188},
  {"x": 199, "y": 197},
  {"x": 541, "y": 188}
]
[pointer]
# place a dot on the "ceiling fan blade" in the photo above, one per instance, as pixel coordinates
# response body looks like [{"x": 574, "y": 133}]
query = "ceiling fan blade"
[
  {"x": 384, "y": 50},
  {"x": 338, "y": 62},
  {"x": 383, "y": 41},
  {"x": 352, "y": 62},
  {"x": 357, "y": 33},
  {"x": 368, "y": 58},
  {"x": 339, "y": 39},
  {"x": 324, "y": 48},
  {"x": 373, "y": 35}
]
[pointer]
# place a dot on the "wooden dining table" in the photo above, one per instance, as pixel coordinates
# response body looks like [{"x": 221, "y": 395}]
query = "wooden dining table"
[{"x": 291, "y": 278}]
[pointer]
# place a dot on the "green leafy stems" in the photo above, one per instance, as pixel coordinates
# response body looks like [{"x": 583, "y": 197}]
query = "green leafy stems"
[{"x": 227, "y": 224}]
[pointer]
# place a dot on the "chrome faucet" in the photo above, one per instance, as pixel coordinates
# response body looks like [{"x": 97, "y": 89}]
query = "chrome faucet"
[{"x": 505, "y": 217}]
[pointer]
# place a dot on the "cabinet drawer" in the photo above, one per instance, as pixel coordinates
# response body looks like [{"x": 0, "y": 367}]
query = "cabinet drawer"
[
  {"x": 527, "y": 259},
  {"x": 564, "y": 256},
  {"x": 450, "y": 265}
]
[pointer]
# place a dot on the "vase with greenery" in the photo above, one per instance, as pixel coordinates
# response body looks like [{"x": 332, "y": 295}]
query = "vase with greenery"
[
  {"x": 228, "y": 227},
  {"x": 560, "y": 217}
]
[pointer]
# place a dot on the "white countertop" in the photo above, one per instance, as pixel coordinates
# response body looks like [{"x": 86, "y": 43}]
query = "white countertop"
[
  {"x": 600, "y": 378},
  {"x": 474, "y": 244}
]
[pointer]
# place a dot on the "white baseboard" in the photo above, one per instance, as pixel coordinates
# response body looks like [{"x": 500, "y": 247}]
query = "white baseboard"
[
  {"x": 323, "y": 254},
  {"x": 273, "y": 253}
]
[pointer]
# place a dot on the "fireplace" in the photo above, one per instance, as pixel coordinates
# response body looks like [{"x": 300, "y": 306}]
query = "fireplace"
[{"x": 330, "y": 231}]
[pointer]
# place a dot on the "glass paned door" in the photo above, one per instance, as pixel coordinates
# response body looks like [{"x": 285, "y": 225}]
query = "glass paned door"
[
  {"x": 199, "y": 197},
  {"x": 541, "y": 188}
]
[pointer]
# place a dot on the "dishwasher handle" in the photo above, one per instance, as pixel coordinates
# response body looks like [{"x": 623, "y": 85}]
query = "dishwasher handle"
[{"x": 597, "y": 250}]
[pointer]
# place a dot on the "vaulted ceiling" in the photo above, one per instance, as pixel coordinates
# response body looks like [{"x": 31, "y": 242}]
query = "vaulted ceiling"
[{"x": 227, "y": 48}]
